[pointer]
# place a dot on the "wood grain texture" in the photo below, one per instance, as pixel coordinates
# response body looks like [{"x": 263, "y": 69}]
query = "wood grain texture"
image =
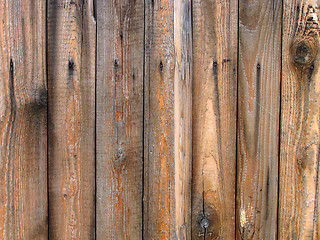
[
  {"x": 183, "y": 117},
  {"x": 214, "y": 119},
  {"x": 159, "y": 156},
  {"x": 300, "y": 122},
  {"x": 258, "y": 118},
  {"x": 71, "y": 86},
  {"x": 168, "y": 146},
  {"x": 23, "y": 120},
  {"x": 120, "y": 29}
]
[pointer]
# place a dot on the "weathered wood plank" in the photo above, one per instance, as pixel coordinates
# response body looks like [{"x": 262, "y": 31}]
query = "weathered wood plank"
[
  {"x": 183, "y": 117},
  {"x": 214, "y": 119},
  {"x": 23, "y": 120},
  {"x": 300, "y": 122},
  {"x": 71, "y": 86},
  {"x": 159, "y": 167},
  {"x": 258, "y": 118},
  {"x": 120, "y": 51},
  {"x": 168, "y": 89}
]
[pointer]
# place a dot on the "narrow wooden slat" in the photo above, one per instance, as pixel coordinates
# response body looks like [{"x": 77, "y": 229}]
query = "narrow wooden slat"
[
  {"x": 71, "y": 86},
  {"x": 159, "y": 167},
  {"x": 183, "y": 117},
  {"x": 120, "y": 31},
  {"x": 23, "y": 120},
  {"x": 214, "y": 119},
  {"x": 300, "y": 122},
  {"x": 167, "y": 161},
  {"x": 258, "y": 118}
]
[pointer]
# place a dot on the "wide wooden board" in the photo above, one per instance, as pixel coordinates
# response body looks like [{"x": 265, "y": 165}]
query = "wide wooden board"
[
  {"x": 120, "y": 57},
  {"x": 23, "y": 120},
  {"x": 258, "y": 118},
  {"x": 214, "y": 119},
  {"x": 300, "y": 122},
  {"x": 71, "y": 85}
]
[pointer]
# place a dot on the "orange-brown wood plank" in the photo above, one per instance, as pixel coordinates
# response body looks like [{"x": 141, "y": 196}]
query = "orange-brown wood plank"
[
  {"x": 23, "y": 120},
  {"x": 159, "y": 167},
  {"x": 120, "y": 51},
  {"x": 167, "y": 161},
  {"x": 300, "y": 122},
  {"x": 215, "y": 25},
  {"x": 71, "y": 85},
  {"x": 258, "y": 118}
]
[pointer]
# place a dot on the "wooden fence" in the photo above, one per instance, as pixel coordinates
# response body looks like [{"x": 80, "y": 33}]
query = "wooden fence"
[{"x": 159, "y": 119}]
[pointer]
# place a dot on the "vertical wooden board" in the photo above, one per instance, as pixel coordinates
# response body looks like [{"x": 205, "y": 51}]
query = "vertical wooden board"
[
  {"x": 23, "y": 121},
  {"x": 120, "y": 29},
  {"x": 183, "y": 117},
  {"x": 300, "y": 122},
  {"x": 167, "y": 96},
  {"x": 214, "y": 112},
  {"x": 71, "y": 85},
  {"x": 159, "y": 166},
  {"x": 258, "y": 118}
]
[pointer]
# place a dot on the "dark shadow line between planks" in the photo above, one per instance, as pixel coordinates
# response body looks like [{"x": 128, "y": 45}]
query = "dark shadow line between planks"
[
  {"x": 94, "y": 2},
  {"x": 47, "y": 82},
  {"x": 279, "y": 127},
  {"x": 143, "y": 117},
  {"x": 191, "y": 164},
  {"x": 237, "y": 124}
]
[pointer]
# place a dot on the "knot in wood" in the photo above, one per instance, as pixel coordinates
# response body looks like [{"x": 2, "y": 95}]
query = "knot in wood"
[
  {"x": 304, "y": 52},
  {"x": 204, "y": 223},
  {"x": 120, "y": 155}
]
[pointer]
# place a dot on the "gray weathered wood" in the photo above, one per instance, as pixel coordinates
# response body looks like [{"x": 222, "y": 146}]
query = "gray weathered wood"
[
  {"x": 258, "y": 118},
  {"x": 300, "y": 122},
  {"x": 120, "y": 31},
  {"x": 183, "y": 117},
  {"x": 23, "y": 120},
  {"x": 71, "y": 85}
]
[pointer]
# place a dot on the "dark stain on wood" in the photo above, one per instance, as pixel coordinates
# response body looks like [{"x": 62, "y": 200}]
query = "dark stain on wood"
[
  {"x": 41, "y": 99},
  {"x": 212, "y": 221},
  {"x": 258, "y": 83},
  {"x": 13, "y": 102},
  {"x": 71, "y": 65},
  {"x": 116, "y": 63},
  {"x": 161, "y": 66}
]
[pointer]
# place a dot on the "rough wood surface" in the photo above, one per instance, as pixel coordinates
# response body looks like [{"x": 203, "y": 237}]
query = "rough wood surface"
[
  {"x": 180, "y": 135},
  {"x": 71, "y": 86},
  {"x": 258, "y": 118},
  {"x": 159, "y": 161},
  {"x": 120, "y": 54},
  {"x": 183, "y": 117},
  {"x": 214, "y": 119},
  {"x": 23, "y": 120},
  {"x": 300, "y": 122}
]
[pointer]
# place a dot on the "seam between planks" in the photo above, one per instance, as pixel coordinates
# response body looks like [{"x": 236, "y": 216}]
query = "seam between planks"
[
  {"x": 237, "y": 124},
  {"x": 95, "y": 120},
  {"x": 280, "y": 126},
  {"x": 143, "y": 117},
  {"x": 47, "y": 150}
]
